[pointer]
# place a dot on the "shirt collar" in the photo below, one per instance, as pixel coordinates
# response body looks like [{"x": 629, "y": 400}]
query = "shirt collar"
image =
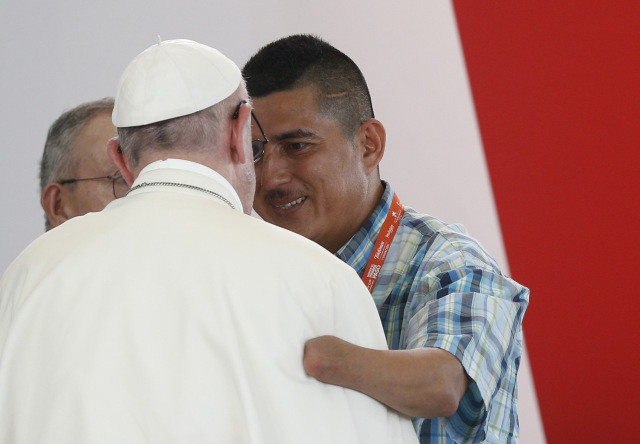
[{"x": 181, "y": 164}]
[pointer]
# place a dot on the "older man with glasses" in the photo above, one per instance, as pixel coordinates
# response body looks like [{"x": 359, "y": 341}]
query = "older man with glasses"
[{"x": 76, "y": 174}]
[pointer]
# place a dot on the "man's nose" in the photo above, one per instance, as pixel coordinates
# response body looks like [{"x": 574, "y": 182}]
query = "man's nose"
[{"x": 273, "y": 170}]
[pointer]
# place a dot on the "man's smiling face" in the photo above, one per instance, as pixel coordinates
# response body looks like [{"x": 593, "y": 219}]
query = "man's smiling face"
[{"x": 312, "y": 178}]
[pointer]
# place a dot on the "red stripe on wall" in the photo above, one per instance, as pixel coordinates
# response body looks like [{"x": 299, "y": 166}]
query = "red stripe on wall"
[{"x": 556, "y": 87}]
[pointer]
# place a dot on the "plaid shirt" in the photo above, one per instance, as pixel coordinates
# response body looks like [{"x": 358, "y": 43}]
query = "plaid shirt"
[{"x": 439, "y": 288}]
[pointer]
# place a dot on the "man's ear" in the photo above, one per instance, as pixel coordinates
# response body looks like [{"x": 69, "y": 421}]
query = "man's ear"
[
  {"x": 372, "y": 136},
  {"x": 238, "y": 128},
  {"x": 53, "y": 204},
  {"x": 117, "y": 156}
]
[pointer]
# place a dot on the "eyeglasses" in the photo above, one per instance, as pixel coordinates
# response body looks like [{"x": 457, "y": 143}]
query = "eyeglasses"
[
  {"x": 257, "y": 144},
  {"x": 119, "y": 185}
]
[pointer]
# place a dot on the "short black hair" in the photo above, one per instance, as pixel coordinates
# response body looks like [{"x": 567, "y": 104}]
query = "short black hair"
[{"x": 305, "y": 60}]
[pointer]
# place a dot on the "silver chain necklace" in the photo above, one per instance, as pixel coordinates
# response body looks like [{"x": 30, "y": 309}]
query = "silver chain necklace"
[{"x": 182, "y": 185}]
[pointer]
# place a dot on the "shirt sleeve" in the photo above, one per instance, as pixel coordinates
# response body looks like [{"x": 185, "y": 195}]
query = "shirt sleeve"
[{"x": 463, "y": 304}]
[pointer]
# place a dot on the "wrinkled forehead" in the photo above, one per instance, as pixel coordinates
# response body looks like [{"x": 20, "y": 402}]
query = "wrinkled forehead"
[{"x": 90, "y": 145}]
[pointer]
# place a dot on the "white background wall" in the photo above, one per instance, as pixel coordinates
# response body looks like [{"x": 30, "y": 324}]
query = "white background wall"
[{"x": 55, "y": 55}]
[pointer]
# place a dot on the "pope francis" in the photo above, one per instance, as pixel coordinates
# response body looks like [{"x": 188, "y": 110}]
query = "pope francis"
[{"x": 172, "y": 316}]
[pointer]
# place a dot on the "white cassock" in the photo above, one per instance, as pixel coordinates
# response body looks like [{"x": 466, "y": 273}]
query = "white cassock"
[{"x": 170, "y": 317}]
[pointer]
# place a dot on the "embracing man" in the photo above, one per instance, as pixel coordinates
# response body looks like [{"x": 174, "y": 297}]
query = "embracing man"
[{"x": 452, "y": 319}]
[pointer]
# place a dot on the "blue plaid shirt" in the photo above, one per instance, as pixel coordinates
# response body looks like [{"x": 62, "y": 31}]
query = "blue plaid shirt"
[{"x": 439, "y": 288}]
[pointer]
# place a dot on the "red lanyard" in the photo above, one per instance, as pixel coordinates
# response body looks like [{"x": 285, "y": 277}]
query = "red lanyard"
[{"x": 383, "y": 243}]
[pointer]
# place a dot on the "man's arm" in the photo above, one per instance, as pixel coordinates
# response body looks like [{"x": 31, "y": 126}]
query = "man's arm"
[{"x": 425, "y": 383}]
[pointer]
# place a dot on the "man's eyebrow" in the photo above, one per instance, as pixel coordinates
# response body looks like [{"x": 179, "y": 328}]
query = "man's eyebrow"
[{"x": 294, "y": 134}]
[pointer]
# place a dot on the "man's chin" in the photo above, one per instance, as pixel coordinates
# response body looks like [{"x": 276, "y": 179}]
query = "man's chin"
[{"x": 288, "y": 222}]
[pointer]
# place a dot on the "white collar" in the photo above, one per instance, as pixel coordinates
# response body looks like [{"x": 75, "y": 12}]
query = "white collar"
[{"x": 188, "y": 165}]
